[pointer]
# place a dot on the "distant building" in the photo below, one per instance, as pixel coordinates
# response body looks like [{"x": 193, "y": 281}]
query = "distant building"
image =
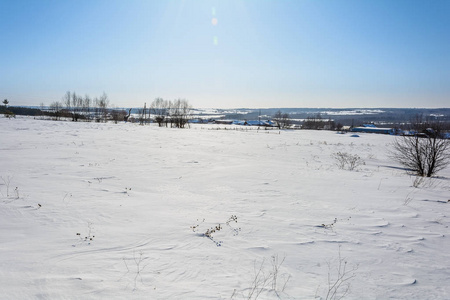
[
  {"x": 267, "y": 123},
  {"x": 370, "y": 128},
  {"x": 224, "y": 122}
]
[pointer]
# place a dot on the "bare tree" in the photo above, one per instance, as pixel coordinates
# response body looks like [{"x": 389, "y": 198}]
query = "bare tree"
[
  {"x": 277, "y": 118},
  {"x": 96, "y": 110},
  {"x": 283, "y": 120},
  {"x": 102, "y": 104},
  {"x": 55, "y": 108},
  {"x": 126, "y": 116},
  {"x": 118, "y": 115},
  {"x": 42, "y": 108},
  {"x": 77, "y": 103},
  {"x": 67, "y": 101},
  {"x": 180, "y": 112},
  {"x": 168, "y": 117},
  {"x": 86, "y": 107},
  {"x": 425, "y": 151},
  {"x": 74, "y": 105},
  {"x": 159, "y": 109},
  {"x": 313, "y": 122},
  {"x": 143, "y": 115}
]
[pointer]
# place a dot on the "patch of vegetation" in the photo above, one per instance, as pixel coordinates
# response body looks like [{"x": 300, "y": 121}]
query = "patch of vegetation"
[
  {"x": 347, "y": 161},
  {"x": 212, "y": 230}
]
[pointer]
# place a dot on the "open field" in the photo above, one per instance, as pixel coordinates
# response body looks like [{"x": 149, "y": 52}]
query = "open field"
[{"x": 120, "y": 211}]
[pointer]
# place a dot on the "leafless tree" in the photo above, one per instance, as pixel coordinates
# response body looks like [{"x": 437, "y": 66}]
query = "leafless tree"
[
  {"x": 87, "y": 102},
  {"x": 168, "y": 117},
  {"x": 118, "y": 115},
  {"x": 77, "y": 103},
  {"x": 73, "y": 105},
  {"x": 102, "y": 104},
  {"x": 143, "y": 115},
  {"x": 277, "y": 117},
  {"x": 425, "y": 151},
  {"x": 159, "y": 108},
  {"x": 283, "y": 120},
  {"x": 55, "y": 108},
  {"x": 41, "y": 109},
  {"x": 180, "y": 111},
  {"x": 313, "y": 122},
  {"x": 286, "y": 120},
  {"x": 67, "y": 101},
  {"x": 126, "y": 116},
  {"x": 96, "y": 110}
]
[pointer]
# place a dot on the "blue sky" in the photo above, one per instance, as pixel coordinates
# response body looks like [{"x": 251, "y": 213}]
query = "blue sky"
[{"x": 227, "y": 54}]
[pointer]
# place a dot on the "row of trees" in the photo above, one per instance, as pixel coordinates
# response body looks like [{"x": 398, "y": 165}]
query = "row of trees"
[
  {"x": 176, "y": 113},
  {"x": 81, "y": 108},
  {"x": 311, "y": 122},
  {"x": 74, "y": 106},
  {"x": 282, "y": 119},
  {"x": 318, "y": 122}
]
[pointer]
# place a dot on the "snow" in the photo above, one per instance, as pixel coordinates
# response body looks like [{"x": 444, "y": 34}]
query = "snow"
[
  {"x": 354, "y": 112},
  {"x": 138, "y": 191}
]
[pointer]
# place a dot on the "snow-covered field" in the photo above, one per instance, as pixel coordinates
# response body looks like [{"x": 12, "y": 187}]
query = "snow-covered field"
[{"x": 120, "y": 211}]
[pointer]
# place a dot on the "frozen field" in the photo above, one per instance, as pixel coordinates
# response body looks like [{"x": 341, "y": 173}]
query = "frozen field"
[{"x": 120, "y": 211}]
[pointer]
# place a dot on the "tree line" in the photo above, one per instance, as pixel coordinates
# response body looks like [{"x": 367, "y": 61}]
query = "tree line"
[
  {"x": 165, "y": 112},
  {"x": 173, "y": 113},
  {"x": 77, "y": 107}
]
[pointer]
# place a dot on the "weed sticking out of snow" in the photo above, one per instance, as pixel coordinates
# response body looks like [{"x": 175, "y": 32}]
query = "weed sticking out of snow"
[
  {"x": 140, "y": 263},
  {"x": 339, "y": 278},
  {"x": 212, "y": 230},
  {"x": 16, "y": 192},
  {"x": 328, "y": 226},
  {"x": 87, "y": 239},
  {"x": 7, "y": 181},
  {"x": 267, "y": 280}
]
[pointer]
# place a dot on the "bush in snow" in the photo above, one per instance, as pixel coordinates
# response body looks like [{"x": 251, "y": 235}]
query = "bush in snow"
[
  {"x": 423, "y": 155},
  {"x": 210, "y": 231},
  {"x": 347, "y": 160},
  {"x": 426, "y": 149}
]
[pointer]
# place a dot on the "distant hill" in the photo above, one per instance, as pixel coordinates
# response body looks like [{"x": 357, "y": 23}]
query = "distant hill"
[
  {"x": 387, "y": 117},
  {"x": 345, "y": 116}
]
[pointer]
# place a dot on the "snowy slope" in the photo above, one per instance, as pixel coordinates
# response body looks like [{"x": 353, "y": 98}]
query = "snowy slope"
[{"x": 134, "y": 193}]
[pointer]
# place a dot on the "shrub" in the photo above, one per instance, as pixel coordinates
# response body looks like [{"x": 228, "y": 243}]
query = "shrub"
[
  {"x": 423, "y": 155},
  {"x": 347, "y": 160}
]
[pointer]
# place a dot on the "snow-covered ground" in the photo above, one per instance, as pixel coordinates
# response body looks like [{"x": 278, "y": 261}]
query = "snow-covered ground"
[{"x": 120, "y": 211}]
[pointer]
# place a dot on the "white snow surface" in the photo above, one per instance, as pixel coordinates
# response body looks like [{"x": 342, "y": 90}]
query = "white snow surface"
[{"x": 137, "y": 191}]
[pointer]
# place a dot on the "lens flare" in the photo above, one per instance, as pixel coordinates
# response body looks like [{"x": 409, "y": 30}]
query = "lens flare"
[{"x": 214, "y": 22}]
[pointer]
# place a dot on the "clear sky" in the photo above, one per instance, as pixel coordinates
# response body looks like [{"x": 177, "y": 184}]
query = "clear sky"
[{"x": 227, "y": 54}]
